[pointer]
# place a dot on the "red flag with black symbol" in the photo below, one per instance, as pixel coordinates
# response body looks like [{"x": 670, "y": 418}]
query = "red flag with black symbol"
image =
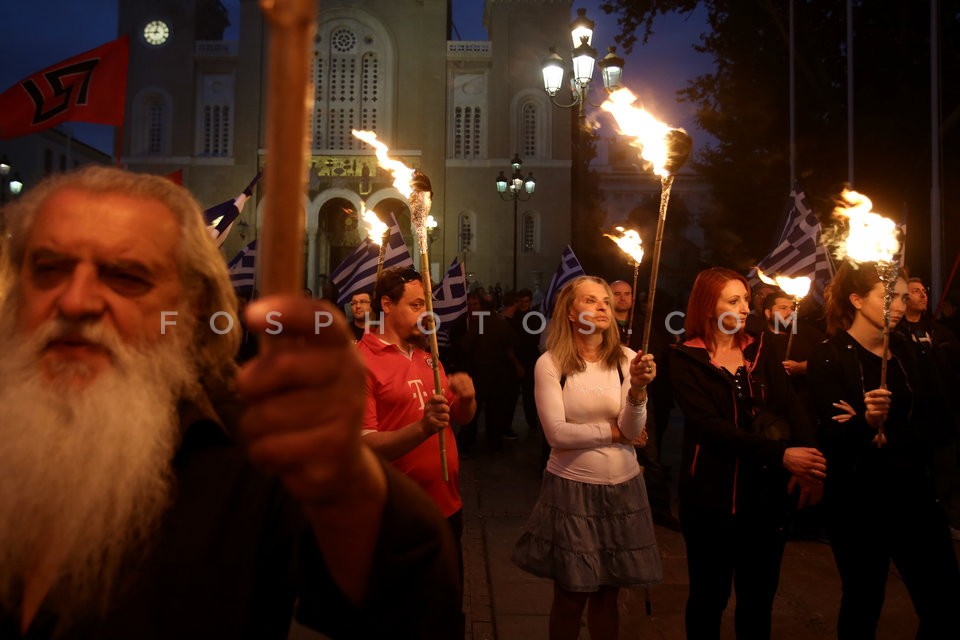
[{"x": 90, "y": 87}]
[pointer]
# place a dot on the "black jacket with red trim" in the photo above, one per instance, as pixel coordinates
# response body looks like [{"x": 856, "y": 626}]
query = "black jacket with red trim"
[{"x": 725, "y": 466}]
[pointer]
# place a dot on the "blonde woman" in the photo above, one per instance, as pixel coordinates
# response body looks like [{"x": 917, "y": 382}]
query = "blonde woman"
[{"x": 591, "y": 530}]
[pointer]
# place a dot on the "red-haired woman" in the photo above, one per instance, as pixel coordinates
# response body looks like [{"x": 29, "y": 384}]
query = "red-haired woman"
[
  {"x": 740, "y": 419},
  {"x": 879, "y": 501}
]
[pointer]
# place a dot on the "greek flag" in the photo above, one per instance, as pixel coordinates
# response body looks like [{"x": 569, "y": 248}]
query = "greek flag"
[
  {"x": 800, "y": 251},
  {"x": 359, "y": 271},
  {"x": 220, "y": 218},
  {"x": 450, "y": 296},
  {"x": 450, "y": 301},
  {"x": 568, "y": 270},
  {"x": 241, "y": 270}
]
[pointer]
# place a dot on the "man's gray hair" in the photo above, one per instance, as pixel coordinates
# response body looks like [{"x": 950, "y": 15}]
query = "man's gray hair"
[{"x": 202, "y": 268}]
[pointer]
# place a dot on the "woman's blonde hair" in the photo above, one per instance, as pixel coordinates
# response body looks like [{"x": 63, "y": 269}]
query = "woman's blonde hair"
[{"x": 561, "y": 341}]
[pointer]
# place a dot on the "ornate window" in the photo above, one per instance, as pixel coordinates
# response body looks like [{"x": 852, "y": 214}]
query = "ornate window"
[
  {"x": 350, "y": 84},
  {"x": 467, "y": 133},
  {"x": 155, "y": 127},
  {"x": 528, "y": 234},
  {"x": 529, "y": 119},
  {"x": 530, "y": 123},
  {"x": 151, "y": 125},
  {"x": 466, "y": 232},
  {"x": 216, "y": 130},
  {"x": 216, "y": 112}
]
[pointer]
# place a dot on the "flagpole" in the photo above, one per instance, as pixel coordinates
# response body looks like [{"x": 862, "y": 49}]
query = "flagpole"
[
  {"x": 793, "y": 101},
  {"x": 466, "y": 285},
  {"x": 850, "y": 92},
  {"x": 383, "y": 253},
  {"x": 463, "y": 270},
  {"x": 119, "y": 145},
  {"x": 936, "y": 224},
  {"x": 946, "y": 289},
  {"x": 69, "y": 130}
]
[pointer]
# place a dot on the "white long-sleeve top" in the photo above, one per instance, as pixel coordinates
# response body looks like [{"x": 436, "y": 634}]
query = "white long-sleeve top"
[{"x": 576, "y": 421}]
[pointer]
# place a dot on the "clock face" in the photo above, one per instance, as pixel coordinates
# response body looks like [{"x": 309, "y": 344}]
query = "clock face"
[{"x": 156, "y": 32}]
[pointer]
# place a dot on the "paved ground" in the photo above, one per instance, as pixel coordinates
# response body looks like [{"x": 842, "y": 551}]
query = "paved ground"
[{"x": 504, "y": 603}]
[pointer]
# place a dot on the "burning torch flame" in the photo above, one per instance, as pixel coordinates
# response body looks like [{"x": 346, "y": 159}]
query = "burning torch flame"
[
  {"x": 376, "y": 228},
  {"x": 872, "y": 237},
  {"x": 629, "y": 242},
  {"x": 797, "y": 287},
  {"x": 652, "y": 136},
  {"x": 402, "y": 174}
]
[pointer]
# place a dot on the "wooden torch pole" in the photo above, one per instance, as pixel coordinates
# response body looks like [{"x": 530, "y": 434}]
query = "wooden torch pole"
[{"x": 289, "y": 101}]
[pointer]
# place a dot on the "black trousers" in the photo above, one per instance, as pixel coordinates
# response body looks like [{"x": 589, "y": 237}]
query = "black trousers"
[
  {"x": 456, "y": 527},
  {"x": 654, "y": 475},
  {"x": 911, "y": 530},
  {"x": 529, "y": 401},
  {"x": 725, "y": 550},
  {"x": 497, "y": 394}
]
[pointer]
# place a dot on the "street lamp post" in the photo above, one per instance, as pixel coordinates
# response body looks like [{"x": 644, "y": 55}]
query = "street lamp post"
[
  {"x": 8, "y": 185},
  {"x": 4, "y": 177},
  {"x": 583, "y": 58},
  {"x": 515, "y": 188}
]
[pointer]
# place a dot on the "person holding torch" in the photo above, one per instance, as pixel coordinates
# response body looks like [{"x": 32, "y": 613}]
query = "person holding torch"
[
  {"x": 879, "y": 502},
  {"x": 404, "y": 415},
  {"x": 746, "y": 445},
  {"x": 591, "y": 530},
  {"x": 150, "y": 490}
]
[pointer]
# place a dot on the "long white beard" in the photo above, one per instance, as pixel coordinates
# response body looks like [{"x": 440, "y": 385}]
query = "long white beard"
[{"x": 85, "y": 471}]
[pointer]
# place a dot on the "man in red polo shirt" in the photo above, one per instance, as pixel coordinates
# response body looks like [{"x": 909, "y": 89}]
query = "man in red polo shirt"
[{"x": 403, "y": 415}]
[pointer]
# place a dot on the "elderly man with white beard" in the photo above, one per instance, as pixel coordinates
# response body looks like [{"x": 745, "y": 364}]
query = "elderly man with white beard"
[{"x": 127, "y": 507}]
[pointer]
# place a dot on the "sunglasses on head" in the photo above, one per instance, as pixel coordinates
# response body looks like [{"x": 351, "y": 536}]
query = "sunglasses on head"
[{"x": 410, "y": 275}]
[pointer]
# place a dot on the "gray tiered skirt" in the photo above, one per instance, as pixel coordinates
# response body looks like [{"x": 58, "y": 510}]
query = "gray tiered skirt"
[{"x": 584, "y": 536}]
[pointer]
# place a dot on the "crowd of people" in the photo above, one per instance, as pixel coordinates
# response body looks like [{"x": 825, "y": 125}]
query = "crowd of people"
[{"x": 165, "y": 475}]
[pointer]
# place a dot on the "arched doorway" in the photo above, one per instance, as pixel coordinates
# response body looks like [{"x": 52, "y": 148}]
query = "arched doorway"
[{"x": 338, "y": 230}]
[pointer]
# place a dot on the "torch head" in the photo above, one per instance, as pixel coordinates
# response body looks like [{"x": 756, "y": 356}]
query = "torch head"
[
  {"x": 420, "y": 182},
  {"x": 679, "y": 146}
]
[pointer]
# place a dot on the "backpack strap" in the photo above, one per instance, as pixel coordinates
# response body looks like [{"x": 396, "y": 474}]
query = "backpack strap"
[{"x": 563, "y": 378}]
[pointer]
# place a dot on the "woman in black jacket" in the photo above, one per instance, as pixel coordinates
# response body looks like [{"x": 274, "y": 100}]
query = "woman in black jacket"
[
  {"x": 879, "y": 499},
  {"x": 740, "y": 420}
]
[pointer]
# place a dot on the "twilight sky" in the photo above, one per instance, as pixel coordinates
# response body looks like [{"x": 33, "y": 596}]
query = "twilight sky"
[{"x": 40, "y": 33}]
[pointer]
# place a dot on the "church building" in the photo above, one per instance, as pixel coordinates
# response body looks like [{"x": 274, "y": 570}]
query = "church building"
[{"x": 457, "y": 110}]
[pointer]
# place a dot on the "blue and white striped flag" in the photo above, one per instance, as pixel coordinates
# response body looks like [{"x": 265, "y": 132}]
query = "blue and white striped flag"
[
  {"x": 359, "y": 271},
  {"x": 220, "y": 218},
  {"x": 450, "y": 296},
  {"x": 568, "y": 270},
  {"x": 801, "y": 251},
  {"x": 242, "y": 270},
  {"x": 450, "y": 301}
]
